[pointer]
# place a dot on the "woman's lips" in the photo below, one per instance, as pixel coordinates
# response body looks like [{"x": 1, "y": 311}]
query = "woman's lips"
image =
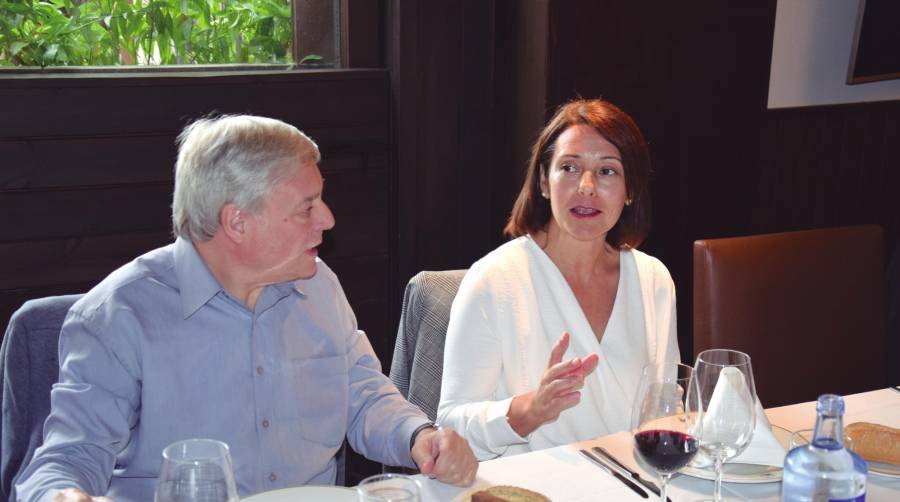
[{"x": 584, "y": 212}]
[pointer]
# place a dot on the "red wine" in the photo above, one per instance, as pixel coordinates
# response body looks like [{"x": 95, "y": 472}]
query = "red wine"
[{"x": 666, "y": 451}]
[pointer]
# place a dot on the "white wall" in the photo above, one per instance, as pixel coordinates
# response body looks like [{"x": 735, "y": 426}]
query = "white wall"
[{"x": 811, "y": 55}]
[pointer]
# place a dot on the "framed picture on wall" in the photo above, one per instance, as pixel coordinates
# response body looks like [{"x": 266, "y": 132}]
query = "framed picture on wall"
[{"x": 876, "y": 43}]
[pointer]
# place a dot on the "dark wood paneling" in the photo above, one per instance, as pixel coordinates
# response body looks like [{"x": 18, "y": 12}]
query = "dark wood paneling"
[
  {"x": 46, "y": 163},
  {"x": 694, "y": 77},
  {"x": 64, "y": 213},
  {"x": 85, "y": 107},
  {"x": 441, "y": 57},
  {"x": 830, "y": 166},
  {"x": 88, "y": 163}
]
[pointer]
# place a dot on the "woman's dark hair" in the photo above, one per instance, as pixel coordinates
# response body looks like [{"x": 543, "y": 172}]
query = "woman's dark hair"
[{"x": 531, "y": 211}]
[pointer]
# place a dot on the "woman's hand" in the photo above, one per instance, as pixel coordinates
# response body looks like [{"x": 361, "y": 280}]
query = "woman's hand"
[{"x": 558, "y": 390}]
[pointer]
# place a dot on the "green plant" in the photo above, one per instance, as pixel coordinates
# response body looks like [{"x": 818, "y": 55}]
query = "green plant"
[{"x": 149, "y": 32}]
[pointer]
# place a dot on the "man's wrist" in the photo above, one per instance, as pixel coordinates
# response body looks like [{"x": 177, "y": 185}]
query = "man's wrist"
[{"x": 415, "y": 434}]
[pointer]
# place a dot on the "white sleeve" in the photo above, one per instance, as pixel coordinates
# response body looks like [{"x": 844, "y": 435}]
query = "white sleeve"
[
  {"x": 666, "y": 319},
  {"x": 473, "y": 365}
]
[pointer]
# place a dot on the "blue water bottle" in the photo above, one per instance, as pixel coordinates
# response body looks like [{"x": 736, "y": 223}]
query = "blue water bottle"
[{"x": 825, "y": 471}]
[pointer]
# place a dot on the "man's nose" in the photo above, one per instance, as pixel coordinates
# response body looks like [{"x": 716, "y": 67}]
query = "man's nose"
[{"x": 326, "y": 218}]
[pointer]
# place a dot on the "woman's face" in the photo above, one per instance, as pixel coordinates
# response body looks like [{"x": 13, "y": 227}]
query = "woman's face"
[{"x": 585, "y": 183}]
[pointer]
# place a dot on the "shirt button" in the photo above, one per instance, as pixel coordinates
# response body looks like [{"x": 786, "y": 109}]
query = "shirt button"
[
  {"x": 272, "y": 477},
  {"x": 265, "y": 423},
  {"x": 259, "y": 370}
]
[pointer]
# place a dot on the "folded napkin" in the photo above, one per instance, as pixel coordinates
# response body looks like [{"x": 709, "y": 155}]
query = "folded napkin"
[{"x": 728, "y": 406}]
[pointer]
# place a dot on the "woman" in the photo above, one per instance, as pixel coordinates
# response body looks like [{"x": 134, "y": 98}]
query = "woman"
[{"x": 569, "y": 283}]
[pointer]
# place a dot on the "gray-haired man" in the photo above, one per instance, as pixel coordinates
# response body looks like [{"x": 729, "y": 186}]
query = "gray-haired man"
[{"x": 237, "y": 332}]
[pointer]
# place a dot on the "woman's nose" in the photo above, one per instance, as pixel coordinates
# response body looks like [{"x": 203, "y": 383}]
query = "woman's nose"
[{"x": 586, "y": 185}]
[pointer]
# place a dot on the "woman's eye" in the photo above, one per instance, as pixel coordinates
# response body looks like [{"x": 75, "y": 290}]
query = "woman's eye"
[
  {"x": 569, "y": 168},
  {"x": 607, "y": 171}
]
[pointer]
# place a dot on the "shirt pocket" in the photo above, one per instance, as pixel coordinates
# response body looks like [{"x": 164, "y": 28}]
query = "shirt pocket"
[{"x": 321, "y": 398}]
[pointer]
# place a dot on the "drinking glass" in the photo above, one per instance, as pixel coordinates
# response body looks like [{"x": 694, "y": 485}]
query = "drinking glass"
[
  {"x": 388, "y": 487},
  {"x": 196, "y": 470},
  {"x": 727, "y": 406},
  {"x": 665, "y": 430},
  {"x": 803, "y": 437}
]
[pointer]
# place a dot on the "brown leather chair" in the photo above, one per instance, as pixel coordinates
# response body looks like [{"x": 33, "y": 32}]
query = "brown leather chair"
[{"x": 807, "y": 306}]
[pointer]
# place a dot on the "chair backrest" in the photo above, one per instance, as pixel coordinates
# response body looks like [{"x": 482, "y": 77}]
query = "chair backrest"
[
  {"x": 418, "y": 360},
  {"x": 807, "y": 306},
  {"x": 28, "y": 368}
]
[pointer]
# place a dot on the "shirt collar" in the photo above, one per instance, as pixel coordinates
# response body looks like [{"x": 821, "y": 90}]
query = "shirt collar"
[
  {"x": 197, "y": 283},
  {"x": 199, "y": 286}
]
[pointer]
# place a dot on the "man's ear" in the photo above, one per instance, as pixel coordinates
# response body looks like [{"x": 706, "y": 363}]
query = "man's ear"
[{"x": 233, "y": 222}]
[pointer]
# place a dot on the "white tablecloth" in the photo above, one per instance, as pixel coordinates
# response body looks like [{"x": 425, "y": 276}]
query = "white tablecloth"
[{"x": 565, "y": 476}]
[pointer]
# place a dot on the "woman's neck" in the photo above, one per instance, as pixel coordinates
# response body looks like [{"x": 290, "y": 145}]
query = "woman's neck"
[{"x": 579, "y": 261}]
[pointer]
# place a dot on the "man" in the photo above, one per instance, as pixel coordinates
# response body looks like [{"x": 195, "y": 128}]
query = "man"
[{"x": 237, "y": 332}]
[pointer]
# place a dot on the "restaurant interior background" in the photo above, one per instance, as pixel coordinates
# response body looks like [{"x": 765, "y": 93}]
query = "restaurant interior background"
[{"x": 425, "y": 135}]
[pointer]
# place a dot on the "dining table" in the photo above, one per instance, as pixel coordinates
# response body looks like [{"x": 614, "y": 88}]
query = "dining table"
[{"x": 563, "y": 474}]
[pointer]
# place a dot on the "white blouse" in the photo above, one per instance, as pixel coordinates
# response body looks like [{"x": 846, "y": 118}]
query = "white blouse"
[{"x": 512, "y": 306}]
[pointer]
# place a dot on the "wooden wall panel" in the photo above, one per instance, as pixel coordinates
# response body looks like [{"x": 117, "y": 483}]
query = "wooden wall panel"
[
  {"x": 830, "y": 166},
  {"x": 87, "y": 173},
  {"x": 695, "y": 78},
  {"x": 325, "y": 99}
]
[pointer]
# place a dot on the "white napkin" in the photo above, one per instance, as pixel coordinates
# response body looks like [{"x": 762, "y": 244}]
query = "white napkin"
[{"x": 729, "y": 400}]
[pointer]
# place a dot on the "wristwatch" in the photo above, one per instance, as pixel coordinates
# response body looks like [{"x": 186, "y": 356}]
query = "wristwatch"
[{"x": 415, "y": 434}]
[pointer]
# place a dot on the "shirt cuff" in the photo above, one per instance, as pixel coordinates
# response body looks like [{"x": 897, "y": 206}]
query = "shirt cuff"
[
  {"x": 409, "y": 427},
  {"x": 415, "y": 433},
  {"x": 498, "y": 433}
]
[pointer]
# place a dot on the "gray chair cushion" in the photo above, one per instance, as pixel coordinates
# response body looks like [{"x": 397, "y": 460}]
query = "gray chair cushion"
[
  {"x": 29, "y": 368},
  {"x": 418, "y": 360}
]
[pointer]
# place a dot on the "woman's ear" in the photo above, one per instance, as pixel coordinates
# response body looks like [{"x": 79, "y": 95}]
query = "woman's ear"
[{"x": 545, "y": 185}]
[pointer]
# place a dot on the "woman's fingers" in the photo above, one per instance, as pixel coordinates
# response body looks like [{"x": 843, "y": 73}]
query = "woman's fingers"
[
  {"x": 559, "y": 348},
  {"x": 589, "y": 364}
]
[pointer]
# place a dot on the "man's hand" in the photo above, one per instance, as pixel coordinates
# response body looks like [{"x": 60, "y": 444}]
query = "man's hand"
[
  {"x": 444, "y": 455},
  {"x": 76, "y": 495}
]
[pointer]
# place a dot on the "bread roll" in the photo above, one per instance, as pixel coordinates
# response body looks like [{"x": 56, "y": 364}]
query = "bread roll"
[
  {"x": 507, "y": 494},
  {"x": 878, "y": 443}
]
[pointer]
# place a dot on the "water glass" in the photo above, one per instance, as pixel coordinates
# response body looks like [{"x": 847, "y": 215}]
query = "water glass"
[
  {"x": 388, "y": 487},
  {"x": 196, "y": 470},
  {"x": 803, "y": 437},
  {"x": 727, "y": 406}
]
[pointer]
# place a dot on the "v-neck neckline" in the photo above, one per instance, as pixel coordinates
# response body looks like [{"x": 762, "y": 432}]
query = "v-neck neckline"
[{"x": 584, "y": 319}]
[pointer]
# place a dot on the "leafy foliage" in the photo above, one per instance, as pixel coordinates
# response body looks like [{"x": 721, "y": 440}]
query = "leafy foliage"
[{"x": 147, "y": 32}]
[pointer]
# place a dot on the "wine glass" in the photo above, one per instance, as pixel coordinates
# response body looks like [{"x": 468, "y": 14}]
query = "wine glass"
[
  {"x": 196, "y": 470},
  {"x": 727, "y": 405},
  {"x": 388, "y": 487},
  {"x": 664, "y": 428}
]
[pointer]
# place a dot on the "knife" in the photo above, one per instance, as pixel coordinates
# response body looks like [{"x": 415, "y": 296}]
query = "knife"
[
  {"x": 637, "y": 477},
  {"x": 629, "y": 483}
]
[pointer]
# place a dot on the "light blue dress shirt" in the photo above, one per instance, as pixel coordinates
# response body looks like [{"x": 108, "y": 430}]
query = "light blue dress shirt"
[{"x": 159, "y": 352}]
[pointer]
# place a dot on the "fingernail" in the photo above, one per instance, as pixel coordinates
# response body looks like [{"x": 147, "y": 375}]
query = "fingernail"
[{"x": 575, "y": 362}]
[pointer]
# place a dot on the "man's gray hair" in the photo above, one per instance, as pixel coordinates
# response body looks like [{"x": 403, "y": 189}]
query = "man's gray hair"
[{"x": 232, "y": 159}]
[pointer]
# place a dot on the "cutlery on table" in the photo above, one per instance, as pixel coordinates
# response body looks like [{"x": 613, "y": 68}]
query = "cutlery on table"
[
  {"x": 637, "y": 477},
  {"x": 629, "y": 483}
]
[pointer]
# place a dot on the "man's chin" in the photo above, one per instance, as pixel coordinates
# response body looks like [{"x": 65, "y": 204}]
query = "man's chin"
[{"x": 308, "y": 272}]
